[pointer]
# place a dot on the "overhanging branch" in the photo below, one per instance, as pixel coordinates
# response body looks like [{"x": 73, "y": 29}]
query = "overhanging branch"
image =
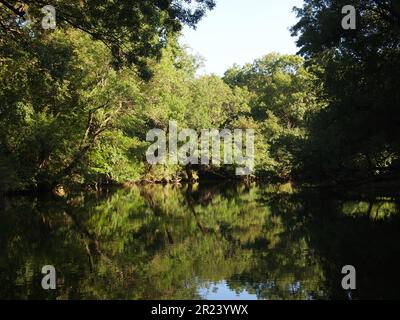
[{"x": 17, "y": 11}]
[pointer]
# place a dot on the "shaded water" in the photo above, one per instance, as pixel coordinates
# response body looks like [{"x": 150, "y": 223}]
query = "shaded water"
[{"x": 201, "y": 242}]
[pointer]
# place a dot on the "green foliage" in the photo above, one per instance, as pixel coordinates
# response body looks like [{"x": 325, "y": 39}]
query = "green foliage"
[
  {"x": 65, "y": 95},
  {"x": 76, "y": 107},
  {"x": 72, "y": 119},
  {"x": 175, "y": 93},
  {"x": 355, "y": 138},
  {"x": 282, "y": 94},
  {"x": 133, "y": 30}
]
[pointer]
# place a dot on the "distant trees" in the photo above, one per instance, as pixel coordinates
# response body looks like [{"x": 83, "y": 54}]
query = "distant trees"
[
  {"x": 176, "y": 93},
  {"x": 282, "y": 95}
]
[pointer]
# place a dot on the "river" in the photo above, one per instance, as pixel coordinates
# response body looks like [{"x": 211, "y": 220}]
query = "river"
[{"x": 208, "y": 241}]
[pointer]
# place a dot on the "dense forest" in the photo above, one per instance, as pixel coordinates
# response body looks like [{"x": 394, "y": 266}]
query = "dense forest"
[{"x": 76, "y": 102}]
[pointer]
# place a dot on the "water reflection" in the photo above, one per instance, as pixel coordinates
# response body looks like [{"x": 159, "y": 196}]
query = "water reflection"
[
  {"x": 200, "y": 242},
  {"x": 222, "y": 291}
]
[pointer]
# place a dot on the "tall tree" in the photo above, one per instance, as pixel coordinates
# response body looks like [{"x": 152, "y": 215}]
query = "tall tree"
[
  {"x": 356, "y": 136},
  {"x": 132, "y": 29}
]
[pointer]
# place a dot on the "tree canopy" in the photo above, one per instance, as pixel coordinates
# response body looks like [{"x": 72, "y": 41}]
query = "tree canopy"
[
  {"x": 132, "y": 29},
  {"x": 356, "y": 136},
  {"x": 83, "y": 96}
]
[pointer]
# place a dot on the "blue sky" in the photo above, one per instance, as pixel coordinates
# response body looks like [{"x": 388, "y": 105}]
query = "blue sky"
[{"x": 239, "y": 31}]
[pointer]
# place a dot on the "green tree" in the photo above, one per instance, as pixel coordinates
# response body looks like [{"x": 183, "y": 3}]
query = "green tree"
[
  {"x": 64, "y": 96},
  {"x": 132, "y": 30},
  {"x": 353, "y": 139},
  {"x": 282, "y": 95}
]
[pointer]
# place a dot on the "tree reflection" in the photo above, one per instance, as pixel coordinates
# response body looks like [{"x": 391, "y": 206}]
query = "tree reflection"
[{"x": 167, "y": 242}]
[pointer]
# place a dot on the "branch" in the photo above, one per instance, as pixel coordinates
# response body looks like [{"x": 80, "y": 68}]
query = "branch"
[
  {"x": 83, "y": 149},
  {"x": 3, "y": 26},
  {"x": 19, "y": 12}
]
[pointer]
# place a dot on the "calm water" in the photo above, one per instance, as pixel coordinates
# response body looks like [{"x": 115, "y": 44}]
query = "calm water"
[{"x": 201, "y": 242}]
